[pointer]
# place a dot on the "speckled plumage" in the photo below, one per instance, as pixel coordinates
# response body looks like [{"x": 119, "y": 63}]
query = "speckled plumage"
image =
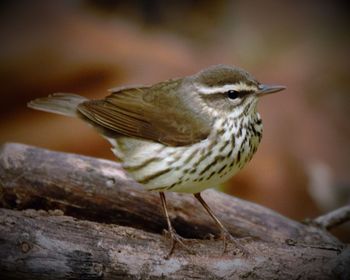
[
  {"x": 230, "y": 145},
  {"x": 181, "y": 135}
]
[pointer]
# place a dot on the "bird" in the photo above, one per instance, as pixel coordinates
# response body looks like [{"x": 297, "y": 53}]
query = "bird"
[{"x": 180, "y": 135}]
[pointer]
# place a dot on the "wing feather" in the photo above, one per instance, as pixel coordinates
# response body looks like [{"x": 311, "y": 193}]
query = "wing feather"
[{"x": 150, "y": 113}]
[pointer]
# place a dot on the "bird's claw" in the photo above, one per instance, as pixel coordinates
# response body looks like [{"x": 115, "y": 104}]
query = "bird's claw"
[
  {"x": 227, "y": 237},
  {"x": 177, "y": 239}
]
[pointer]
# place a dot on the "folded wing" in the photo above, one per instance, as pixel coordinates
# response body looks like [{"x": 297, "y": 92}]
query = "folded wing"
[{"x": 151, "y": 113}]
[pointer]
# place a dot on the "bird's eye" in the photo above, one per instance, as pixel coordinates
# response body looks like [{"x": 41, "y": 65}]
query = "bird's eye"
[{"x": 232, "y": 94}]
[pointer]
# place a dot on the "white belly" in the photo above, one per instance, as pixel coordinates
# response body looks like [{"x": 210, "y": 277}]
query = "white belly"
[{"x": 189, "y": 169}]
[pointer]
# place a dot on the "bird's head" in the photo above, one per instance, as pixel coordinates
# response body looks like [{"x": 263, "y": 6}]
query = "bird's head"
[{"x": 229, "y": 90}]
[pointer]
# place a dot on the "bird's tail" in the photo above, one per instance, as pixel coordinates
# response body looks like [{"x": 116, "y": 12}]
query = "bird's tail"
[{"x": 59, "y": 103}]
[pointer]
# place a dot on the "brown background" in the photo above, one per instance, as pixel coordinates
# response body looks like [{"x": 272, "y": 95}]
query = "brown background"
[{"x": 302, "y": 166}]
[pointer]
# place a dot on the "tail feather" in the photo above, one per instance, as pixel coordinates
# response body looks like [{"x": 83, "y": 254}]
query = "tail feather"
[{"x": 58, "y": 103}]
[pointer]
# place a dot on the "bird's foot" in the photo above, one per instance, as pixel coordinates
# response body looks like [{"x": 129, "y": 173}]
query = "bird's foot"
[
  {"x": 177, "y": 239},
  {"x": 238, "y": 248}
]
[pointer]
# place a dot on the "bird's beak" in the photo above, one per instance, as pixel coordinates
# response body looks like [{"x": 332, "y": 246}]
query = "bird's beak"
[{"x": 267, "y": 89}]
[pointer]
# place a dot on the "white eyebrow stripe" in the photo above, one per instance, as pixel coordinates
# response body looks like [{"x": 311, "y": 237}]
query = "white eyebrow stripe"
[{"x": 221, "y": 89}]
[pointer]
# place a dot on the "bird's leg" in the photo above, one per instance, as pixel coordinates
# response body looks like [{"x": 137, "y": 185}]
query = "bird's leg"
[
  {"x": 175, "y": 238},
  {"x": 225, "y": 234}
]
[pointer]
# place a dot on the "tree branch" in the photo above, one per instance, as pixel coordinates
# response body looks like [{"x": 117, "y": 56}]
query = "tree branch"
[
  {"x": 35, "y": 244},
  {"x": 334, "y": 218}
]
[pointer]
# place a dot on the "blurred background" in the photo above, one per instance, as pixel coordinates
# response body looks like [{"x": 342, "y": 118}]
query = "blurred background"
[{"x": 87, "y": 46}]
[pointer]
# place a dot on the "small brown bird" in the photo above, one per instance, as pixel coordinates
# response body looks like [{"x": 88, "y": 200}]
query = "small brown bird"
[{"x": 181, "y": 135}]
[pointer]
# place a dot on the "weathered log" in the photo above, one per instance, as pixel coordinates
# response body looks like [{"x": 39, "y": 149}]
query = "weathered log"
[{"x": 42, "y": 246}]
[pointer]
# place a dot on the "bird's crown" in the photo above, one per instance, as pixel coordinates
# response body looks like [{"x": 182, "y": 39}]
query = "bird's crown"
[{"x": 231, "y": 80}]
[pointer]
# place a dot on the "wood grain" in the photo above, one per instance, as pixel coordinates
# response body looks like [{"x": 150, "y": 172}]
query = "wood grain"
[{"x": 108, "y": 227}]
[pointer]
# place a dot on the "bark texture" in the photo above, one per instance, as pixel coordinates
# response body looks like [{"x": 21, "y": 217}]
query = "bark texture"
[{"x": 68, "y": 216}]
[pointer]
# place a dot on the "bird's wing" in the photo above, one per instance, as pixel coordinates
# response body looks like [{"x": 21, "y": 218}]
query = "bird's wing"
[{"x": 153, "y": 113}]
